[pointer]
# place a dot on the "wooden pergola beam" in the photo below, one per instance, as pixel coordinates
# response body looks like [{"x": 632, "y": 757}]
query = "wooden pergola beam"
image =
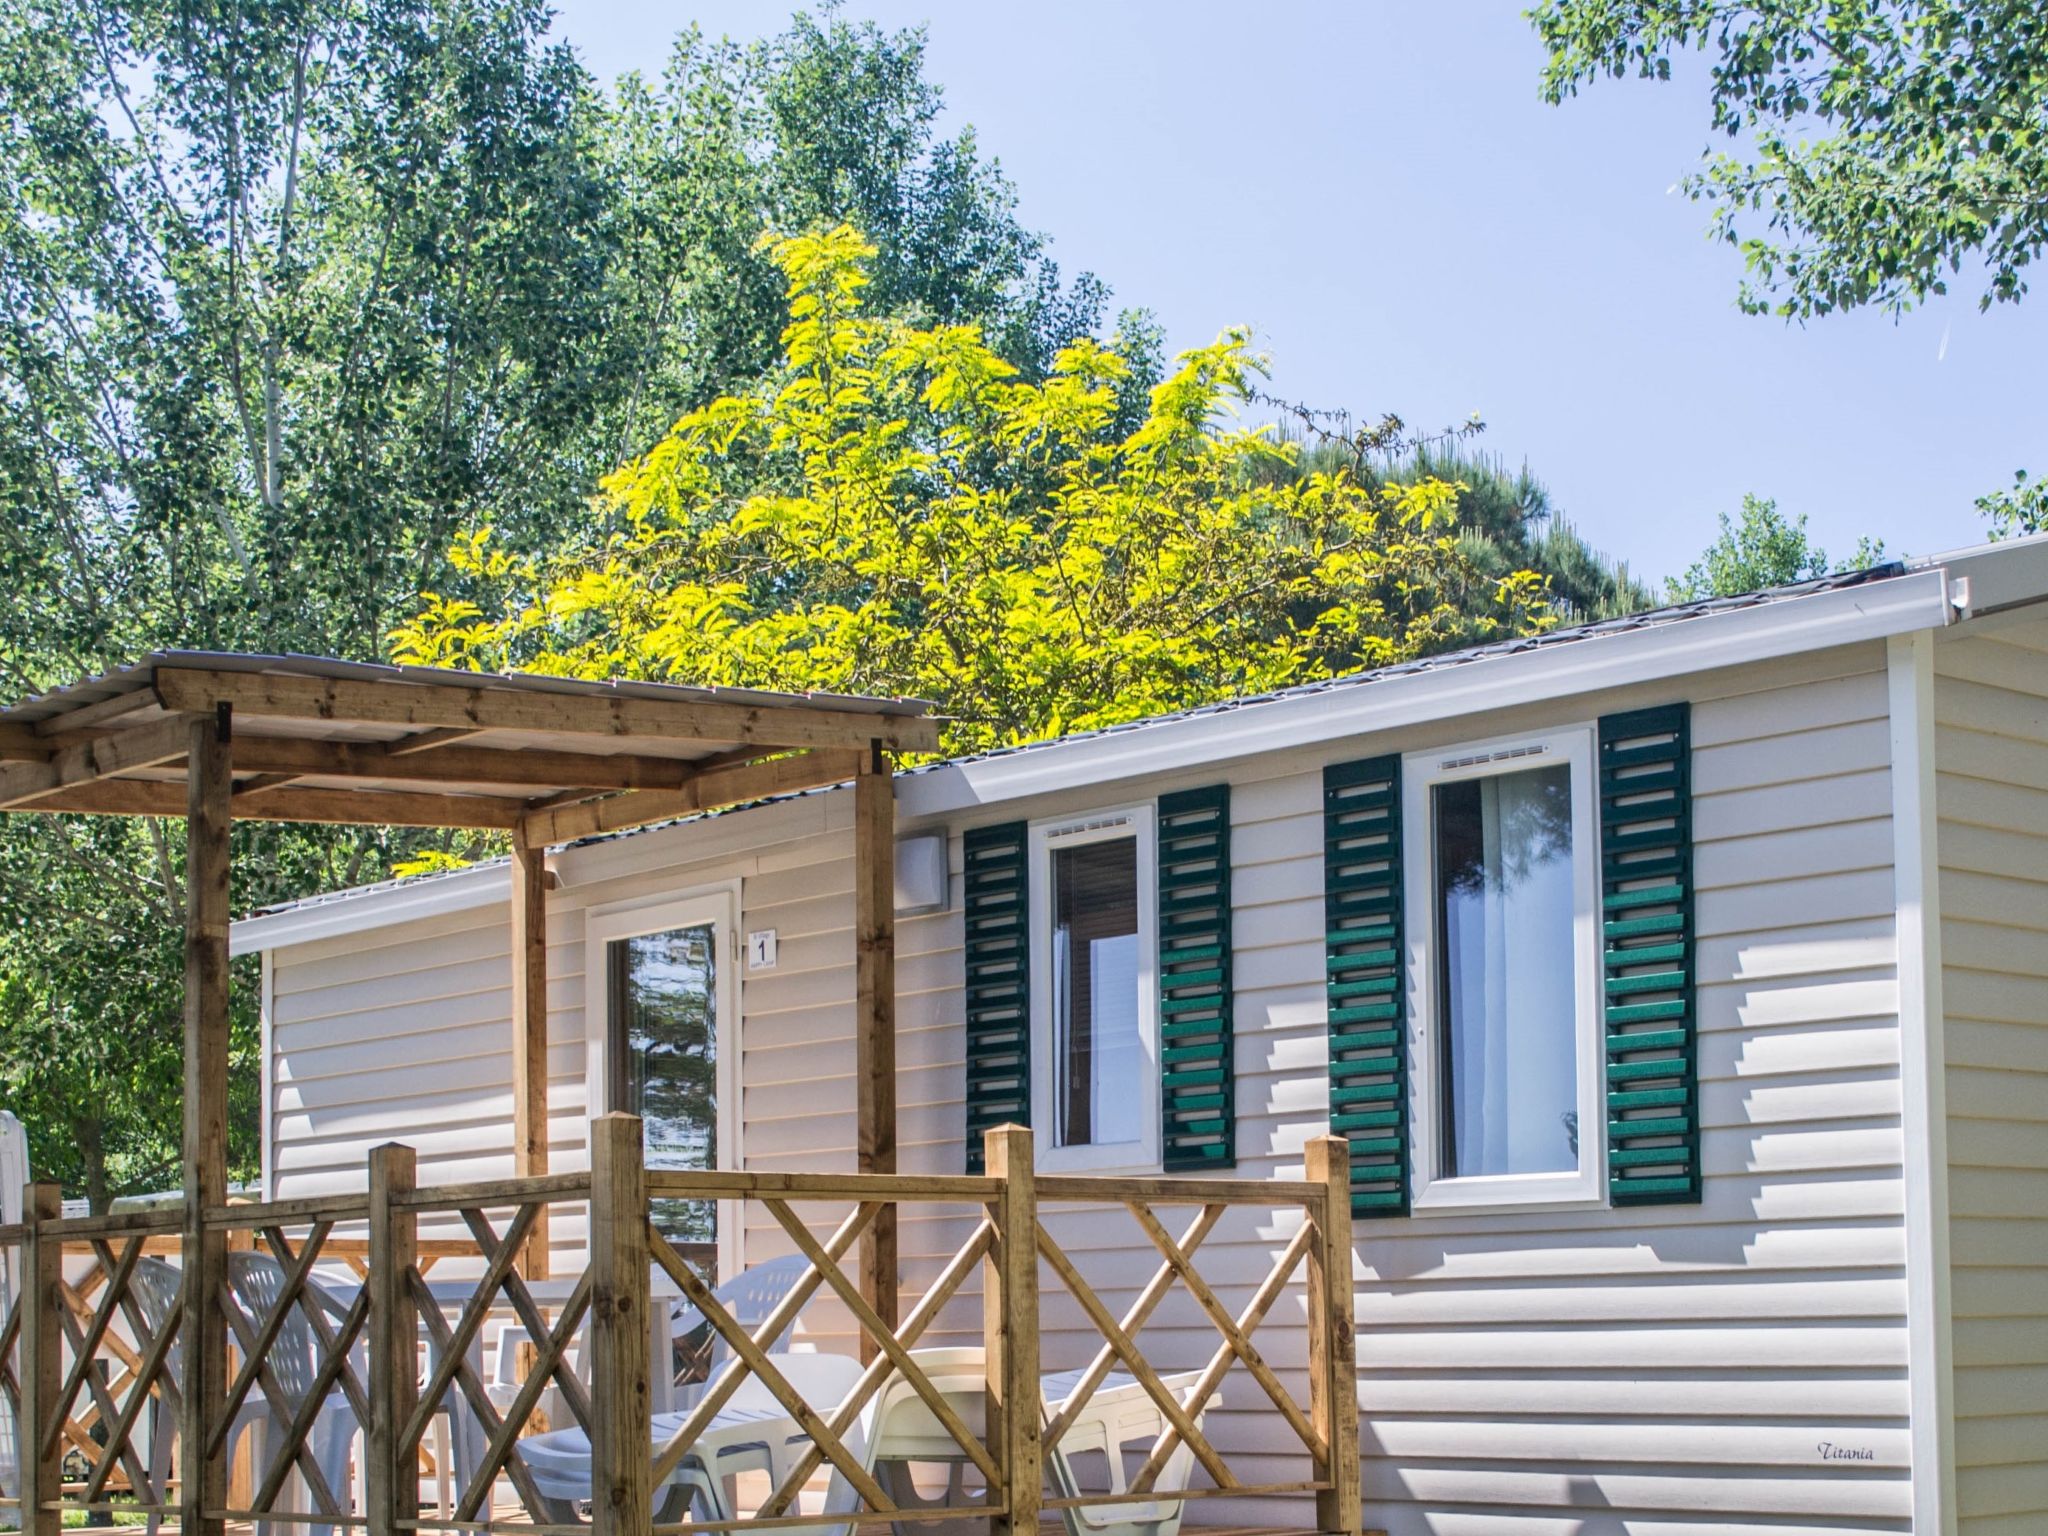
[
  {"x": 19, "y": 744},
  {"x": 535, "y": 768},
  {"x": 343, "y": 807},
  {"x": 24, "y": 784},
  {"x": 90, "y": 717},
  {"x": 449, "y": 705},
  {"x": 707, "y": 791},
  {"x": 420, "y": 741}
]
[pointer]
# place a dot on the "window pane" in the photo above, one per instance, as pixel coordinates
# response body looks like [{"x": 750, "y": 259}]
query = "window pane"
[
  {"x": 1506, "y": 967},
  {"x": 665, "y": 1063},
  {"x": 1097, "y": 1052}
]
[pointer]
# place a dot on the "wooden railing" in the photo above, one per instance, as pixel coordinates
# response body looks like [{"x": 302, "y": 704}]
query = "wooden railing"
[{"x": 322, "y": 1367}]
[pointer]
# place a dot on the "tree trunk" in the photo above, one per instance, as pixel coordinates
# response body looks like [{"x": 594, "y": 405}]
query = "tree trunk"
[{"x": 90, "y": 1132}]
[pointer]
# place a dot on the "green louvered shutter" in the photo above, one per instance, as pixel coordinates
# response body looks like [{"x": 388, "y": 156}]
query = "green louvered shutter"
[
  {"x": 1362, "y": 898},
  {"x": 997, "y": 903},
  {"x": 1646, "y": 886},
  {"x": 1198, "y": 1090}
]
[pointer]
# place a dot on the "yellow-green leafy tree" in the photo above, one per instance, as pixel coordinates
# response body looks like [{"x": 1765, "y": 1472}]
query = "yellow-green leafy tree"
[{"x": 898, "y": 513}]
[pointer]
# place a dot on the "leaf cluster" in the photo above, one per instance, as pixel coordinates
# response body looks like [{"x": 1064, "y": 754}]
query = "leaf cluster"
[
  {"x": 1882, "y": 144},
  {"x": 900, "y": 511}
]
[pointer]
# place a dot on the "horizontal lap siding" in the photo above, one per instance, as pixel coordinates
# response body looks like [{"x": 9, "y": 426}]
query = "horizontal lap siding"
[
  {"x": 404, "y": 1034},
  {"x": 1665, "y": 1369},
  {"x": 798, "y": 1025},
  {"x": 1991, "y": 755},
  {"x": 1680, "y": 1368}
]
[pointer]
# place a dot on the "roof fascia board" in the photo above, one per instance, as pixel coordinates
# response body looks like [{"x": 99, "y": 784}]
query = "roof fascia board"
[
  {"x": 1874, "y": 611},
  {"x": 355, "y": 912}
]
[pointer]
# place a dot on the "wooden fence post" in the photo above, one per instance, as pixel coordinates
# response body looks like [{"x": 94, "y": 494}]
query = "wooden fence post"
[
  {"x": 40, "y": 1435},
  {"x": 1009, "y": 1318},
  {"x": 392, "y": 1479},
  {"x": 1332, "y": 1347},
  {"x": 621, "y": 1439}
]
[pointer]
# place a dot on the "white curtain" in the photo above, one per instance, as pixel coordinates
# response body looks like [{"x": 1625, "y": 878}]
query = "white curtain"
[
  {"x": 1511, "y": 999},
  {"x": 1117, "y": 1102}
]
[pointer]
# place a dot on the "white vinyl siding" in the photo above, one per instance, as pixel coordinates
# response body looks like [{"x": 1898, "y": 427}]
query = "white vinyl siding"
[
  {"x": 1668, "y": 1370},
  {"x": 1991, "y": 758}
]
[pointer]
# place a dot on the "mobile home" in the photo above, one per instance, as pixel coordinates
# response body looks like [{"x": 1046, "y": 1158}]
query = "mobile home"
[{"x": 1680, "y": 983}]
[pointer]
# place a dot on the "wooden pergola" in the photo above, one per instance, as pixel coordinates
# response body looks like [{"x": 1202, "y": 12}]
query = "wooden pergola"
[
  {"x": 544, "y": 761},
  {"x": 214, "y": 738}
]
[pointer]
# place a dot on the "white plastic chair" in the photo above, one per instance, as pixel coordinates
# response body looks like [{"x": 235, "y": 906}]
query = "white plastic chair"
[
  {"x": 255, "y": 1281},
  {"x": 752, "y": 1432},
  {"x": 1119, "y": 1418},
  {"x": 750, "y": 1296}
]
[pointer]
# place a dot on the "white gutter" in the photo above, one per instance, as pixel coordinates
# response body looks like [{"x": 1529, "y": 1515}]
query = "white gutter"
[{"x": 1735, "y": 637}]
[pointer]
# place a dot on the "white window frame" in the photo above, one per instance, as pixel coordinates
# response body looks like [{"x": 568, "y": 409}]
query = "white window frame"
[
  {"x": 1139, "y": 823},
  {"x": 716, "y": 907},
  {"x": 1422, "y": 772}
]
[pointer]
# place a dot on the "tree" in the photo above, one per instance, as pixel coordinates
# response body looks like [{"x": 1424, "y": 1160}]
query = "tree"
[
  {"x": 900, "y": 512},
  {"x": 1507, "y": 523},
  {"x": 1882, "y": 145},
  {"x": 827, "y": 121},
  {"x": 290, "y": 295},
  {"x": 2017, "y": 511},
  {"x": 1766, "y": 549}
]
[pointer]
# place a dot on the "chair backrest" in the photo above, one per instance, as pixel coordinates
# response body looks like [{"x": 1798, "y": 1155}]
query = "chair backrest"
[
  {"x": 897, "y": 1412},
  {"x": 750, "y": 1296},
  {"x": 154, "y": 1285},
  {"x": 255, "y": 1282}
]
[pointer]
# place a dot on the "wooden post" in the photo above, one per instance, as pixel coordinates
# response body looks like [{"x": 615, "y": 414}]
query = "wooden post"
[
  {"x": 1332, "y": 1346},
  {"x": 394, "y": 1361},
  {"x": 1009, "y": 1320},
  {"x": 530, "y": 1037},
  {"x": 203, "y": 1335},
  {"x": 874, "y": 927},
  {"x": 621, "y": 1439},
  {"x": 41, "y": 1473}
]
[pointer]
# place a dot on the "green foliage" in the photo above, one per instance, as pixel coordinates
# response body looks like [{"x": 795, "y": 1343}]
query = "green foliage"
[
  {"x": 1507, "y": 523},
  {"x": 292, "y": 294},
  {"x": 901, "y": 512},
  {"x": 1766, "y": 549},
  {"x": 2020, "y": 510},
  {"x": 1882, "y": 145}
]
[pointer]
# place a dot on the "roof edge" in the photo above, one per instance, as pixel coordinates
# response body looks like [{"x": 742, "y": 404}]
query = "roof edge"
[
  {"x": 1916, "y": 599},
  {"x": 1843, "y": 616},
  {"x": 372, "y": 906}
]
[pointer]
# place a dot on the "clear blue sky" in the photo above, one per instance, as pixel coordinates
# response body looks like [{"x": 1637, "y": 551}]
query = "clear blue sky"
[{"x": 1378, "y": 191}]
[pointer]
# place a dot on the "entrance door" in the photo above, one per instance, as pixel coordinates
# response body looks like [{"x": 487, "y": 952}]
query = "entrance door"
[{"x": 666, "y": 1055}]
